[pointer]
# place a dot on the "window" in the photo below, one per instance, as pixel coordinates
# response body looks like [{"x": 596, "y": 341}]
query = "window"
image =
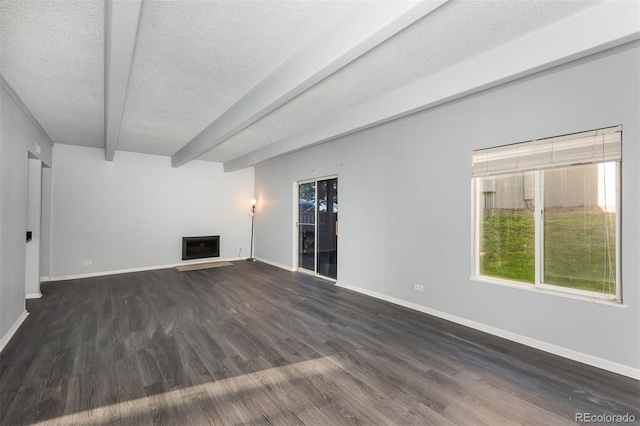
[
  {"x": 489, "y": 199},
  {"x": 546, "y": 213}
]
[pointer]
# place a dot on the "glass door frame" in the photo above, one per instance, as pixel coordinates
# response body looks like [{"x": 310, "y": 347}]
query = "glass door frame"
[{"x": 296, "y": 228}]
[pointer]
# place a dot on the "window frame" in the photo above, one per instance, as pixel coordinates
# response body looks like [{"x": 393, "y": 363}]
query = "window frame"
[{"x": 477, "y": 200}]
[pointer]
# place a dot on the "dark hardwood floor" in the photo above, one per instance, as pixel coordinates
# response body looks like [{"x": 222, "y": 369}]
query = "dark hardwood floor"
[{"x": 252, "y": 344}]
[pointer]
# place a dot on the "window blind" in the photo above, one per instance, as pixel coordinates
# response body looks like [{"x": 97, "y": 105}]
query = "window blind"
[{"x": 596, "y": 146}]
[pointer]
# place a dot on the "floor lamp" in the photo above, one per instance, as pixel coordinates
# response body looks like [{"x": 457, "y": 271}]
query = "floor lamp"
[{"x": 253, "y": 218}]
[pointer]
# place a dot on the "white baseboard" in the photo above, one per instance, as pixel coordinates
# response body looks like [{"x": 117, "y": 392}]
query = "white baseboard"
[
  {"x": 144, "y": 268},
  {"x": 5, "y": 339},
  {"x": 276, "y": 264},
  {"x": 34, "y": 295},
  {"x": 45, "y": 279},
  {"x": 594, "y": 361}
]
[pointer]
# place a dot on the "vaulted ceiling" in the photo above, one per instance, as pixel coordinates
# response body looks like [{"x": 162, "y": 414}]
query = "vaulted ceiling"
[{"x": 241, "y": 82}]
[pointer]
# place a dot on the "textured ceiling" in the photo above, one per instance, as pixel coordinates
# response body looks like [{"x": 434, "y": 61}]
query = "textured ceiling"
[
  {"x": 454, "y": 32},
  {"x": 195, "y": 59},
  {"x": 52, "y": 56}
]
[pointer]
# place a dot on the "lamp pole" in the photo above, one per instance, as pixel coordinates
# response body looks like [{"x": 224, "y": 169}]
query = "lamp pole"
[{"x": 253, "y": 217}]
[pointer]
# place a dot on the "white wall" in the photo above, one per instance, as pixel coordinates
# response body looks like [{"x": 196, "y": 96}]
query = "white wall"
[
  {"x": 18, "y": 138},
  {"x": 133, "y": 212},
  {"x": 45, "y": 225},
  {"x": 34, "y": 208},
  {"x": 405, "y": 213}
]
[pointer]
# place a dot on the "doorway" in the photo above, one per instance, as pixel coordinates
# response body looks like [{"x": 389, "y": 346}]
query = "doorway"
[
  {"x": 33, "y": 222},
  {"x": 317, "y": 224}
]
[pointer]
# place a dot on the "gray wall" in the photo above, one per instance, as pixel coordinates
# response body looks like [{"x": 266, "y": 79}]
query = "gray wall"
[
  {"x": 18, "y": 137},
  {"x": 133, "y": 212},
  {"x": 396, "y": 230}
]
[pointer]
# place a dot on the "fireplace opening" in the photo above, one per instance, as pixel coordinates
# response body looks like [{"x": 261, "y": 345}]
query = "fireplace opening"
[{"x": 200, "y": 247}]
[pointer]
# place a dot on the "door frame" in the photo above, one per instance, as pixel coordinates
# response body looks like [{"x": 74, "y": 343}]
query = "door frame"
[{"x": 296, "y": 228}]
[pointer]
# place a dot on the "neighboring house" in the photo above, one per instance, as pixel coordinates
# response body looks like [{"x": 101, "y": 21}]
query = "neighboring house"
[{"x": 568, "y": 188}]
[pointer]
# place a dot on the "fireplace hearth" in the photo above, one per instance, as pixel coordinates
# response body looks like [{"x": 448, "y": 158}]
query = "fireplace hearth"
[{"x": 200, "y": 247}]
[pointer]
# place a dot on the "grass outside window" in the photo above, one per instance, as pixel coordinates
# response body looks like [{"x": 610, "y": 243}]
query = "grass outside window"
[{"x": 574, "y": 233}]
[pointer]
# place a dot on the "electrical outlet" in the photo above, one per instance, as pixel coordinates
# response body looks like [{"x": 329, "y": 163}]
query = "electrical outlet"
[
  {"x": 418, "y": 287},
  {"x": 87, "y": 262}
]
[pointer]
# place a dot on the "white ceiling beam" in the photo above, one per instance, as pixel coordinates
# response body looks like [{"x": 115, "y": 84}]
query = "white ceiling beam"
[
  {"x": 120, "y": 32},
  {"x": 13, "y": 95},
  {"x": 368, "y": 25},
  {"x": 617, "y": 23}
]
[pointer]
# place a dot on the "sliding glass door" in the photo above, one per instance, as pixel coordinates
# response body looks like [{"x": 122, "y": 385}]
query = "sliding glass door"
[
  {"x": 307, "y": 226},
  {"x": 327, "y": 228},
  {"x": 318, "y": 227}
]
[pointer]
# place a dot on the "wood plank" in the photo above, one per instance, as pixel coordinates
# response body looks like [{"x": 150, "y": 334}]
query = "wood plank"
[
  {"x": 255, "y": 344},
  {"x": 199, "y": 266}
]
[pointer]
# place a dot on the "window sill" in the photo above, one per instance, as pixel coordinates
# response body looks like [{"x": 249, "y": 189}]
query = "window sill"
[{"x": 560, "y": 293}]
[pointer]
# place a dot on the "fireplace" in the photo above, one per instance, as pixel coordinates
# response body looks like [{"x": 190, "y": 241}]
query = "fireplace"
[{"x": 200, "y": 247}]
